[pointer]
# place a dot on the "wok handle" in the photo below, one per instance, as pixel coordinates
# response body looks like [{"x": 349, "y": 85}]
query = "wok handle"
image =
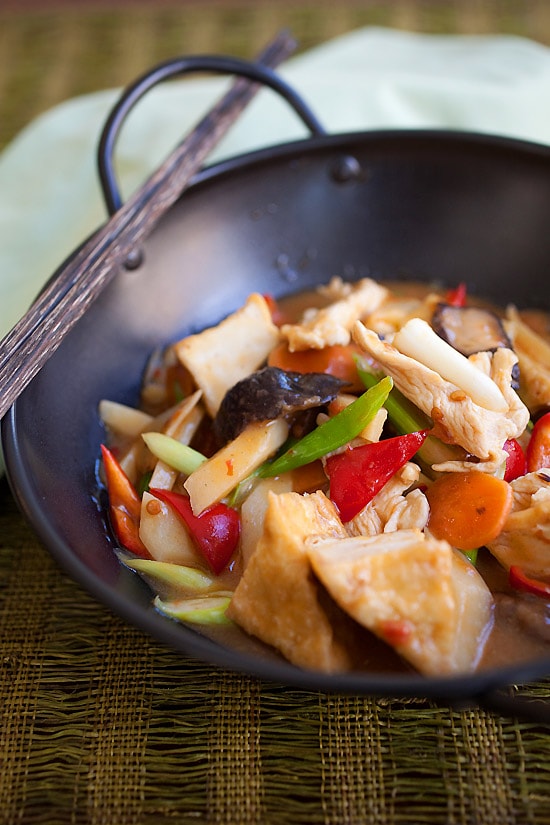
[
  {"x": 170, "y": 69},
  {"x": 523, "y": 708}
]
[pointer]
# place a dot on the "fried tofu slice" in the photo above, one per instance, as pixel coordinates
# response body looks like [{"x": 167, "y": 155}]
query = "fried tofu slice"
[
  {"x": 220, "y": 356},
  {"x": 525, "y": 538},
  {"x": 319, "y": 328},
  {"x": 278, "y": 598},
  {"x": 412, "y": 591}
]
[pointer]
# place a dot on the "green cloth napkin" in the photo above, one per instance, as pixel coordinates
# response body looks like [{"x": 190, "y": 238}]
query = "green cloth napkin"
[{"x": 49, "y": 193}]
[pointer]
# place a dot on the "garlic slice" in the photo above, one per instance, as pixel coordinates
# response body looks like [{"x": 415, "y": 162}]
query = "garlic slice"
[{"x": 417, "y": 340}]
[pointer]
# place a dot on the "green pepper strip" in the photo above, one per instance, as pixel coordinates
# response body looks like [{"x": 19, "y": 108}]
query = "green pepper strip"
[
  {"x": 179, "y": 456},
  {"x": 333, "y": 433}
]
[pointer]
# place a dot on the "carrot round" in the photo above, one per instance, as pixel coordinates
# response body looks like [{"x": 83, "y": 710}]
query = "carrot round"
[
  {"x": 468, "y": 509},
  {"x": 335, "y": 360}
]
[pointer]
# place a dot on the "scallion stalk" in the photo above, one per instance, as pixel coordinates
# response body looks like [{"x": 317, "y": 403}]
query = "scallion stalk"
[
  {"x": 205, "y": 610},
  {"x": 179, "y": 456},
  {"x": 180, "y": 576}
]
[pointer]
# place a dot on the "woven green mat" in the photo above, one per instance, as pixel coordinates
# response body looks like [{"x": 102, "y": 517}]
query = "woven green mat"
[{"x": 100, "y": 724}]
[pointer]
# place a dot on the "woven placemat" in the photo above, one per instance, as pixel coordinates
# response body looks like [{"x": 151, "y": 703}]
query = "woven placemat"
[{"x": 100, "y": 724}]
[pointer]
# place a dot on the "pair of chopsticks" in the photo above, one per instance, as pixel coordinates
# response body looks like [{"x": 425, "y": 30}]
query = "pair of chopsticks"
[{"x": 27, "y": 347}]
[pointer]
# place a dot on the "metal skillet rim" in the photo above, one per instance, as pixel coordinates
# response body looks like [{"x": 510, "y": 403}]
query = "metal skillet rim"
[{"x": 460, "y": 688}]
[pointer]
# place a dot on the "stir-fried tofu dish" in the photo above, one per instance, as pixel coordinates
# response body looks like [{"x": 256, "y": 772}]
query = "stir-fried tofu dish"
[{"x": 356, "y": 478}]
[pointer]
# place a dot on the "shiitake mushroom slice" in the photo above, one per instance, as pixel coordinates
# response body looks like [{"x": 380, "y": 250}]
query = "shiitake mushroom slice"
[
  {"x": 470, "y": 329},
  {"x": 271, "y": 393}
]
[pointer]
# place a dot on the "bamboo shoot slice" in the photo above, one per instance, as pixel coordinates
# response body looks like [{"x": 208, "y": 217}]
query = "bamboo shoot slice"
[
  {"x": 233, "y": 463},
  {"x": 123, "y": 420}
]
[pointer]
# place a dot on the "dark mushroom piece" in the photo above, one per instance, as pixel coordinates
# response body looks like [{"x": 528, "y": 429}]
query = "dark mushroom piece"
[
  {"x": 271, "y": 393},
  {"x": 472, "y": 329}
]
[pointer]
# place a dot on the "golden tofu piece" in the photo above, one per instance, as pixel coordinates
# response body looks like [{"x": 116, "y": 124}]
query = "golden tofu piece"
[
  {"x": 220, "y": 356},
  {"x": 401, "y": 586},
  {"x": 278, "y": 598}
]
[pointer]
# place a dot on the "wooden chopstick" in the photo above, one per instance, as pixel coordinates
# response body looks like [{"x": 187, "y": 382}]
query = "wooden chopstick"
[{"x": 27, "y": 347}]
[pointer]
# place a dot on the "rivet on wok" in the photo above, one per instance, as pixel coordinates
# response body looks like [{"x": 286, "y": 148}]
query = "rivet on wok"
[
  {"x": 134, "y": 259},
  {"x": 345, "y": 169}
]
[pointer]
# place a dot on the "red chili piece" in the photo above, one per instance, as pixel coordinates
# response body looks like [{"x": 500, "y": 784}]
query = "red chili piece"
[
  {"x": 124, "y": 505},
  {"x": 215, "y": 531},
  {"x": 395, "y": 632},
  {"x": 457, "y": 297},
  {"x": 359, "y": 473},
  {"x": 277, "y": 315},
  {"x": 538, "y": 449},
  {"x": 516, "y": 463},
  {"x": 520, "y": 581}
]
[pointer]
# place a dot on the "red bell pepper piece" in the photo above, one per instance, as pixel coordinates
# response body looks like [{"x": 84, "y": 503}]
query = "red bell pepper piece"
[
  {"x": 520, "y": 581},
  {"x": 124, "y": 505},
  {"x": 215, "y": 531},
  {"x": 538, "y": 449},
  {"x": 516, "y": 463},
  {"x": 359, "y": 473},
  {"x": 457, "y": 297}
]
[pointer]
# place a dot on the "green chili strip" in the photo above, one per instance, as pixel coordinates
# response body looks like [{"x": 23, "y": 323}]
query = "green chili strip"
[
  {"x": 177, "y": 455},
  {"x": 178, "y": 575},
  {"x": 333, "y": 433}
]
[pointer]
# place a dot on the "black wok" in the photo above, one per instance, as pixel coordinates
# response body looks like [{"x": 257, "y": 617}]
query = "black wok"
[{"x": 422, "y": 205}]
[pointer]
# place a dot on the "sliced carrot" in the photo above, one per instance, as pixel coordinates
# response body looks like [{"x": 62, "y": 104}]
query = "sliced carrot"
[
  {"x": 468, "y": 509},
  {"x": 335, "y": 360}
]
